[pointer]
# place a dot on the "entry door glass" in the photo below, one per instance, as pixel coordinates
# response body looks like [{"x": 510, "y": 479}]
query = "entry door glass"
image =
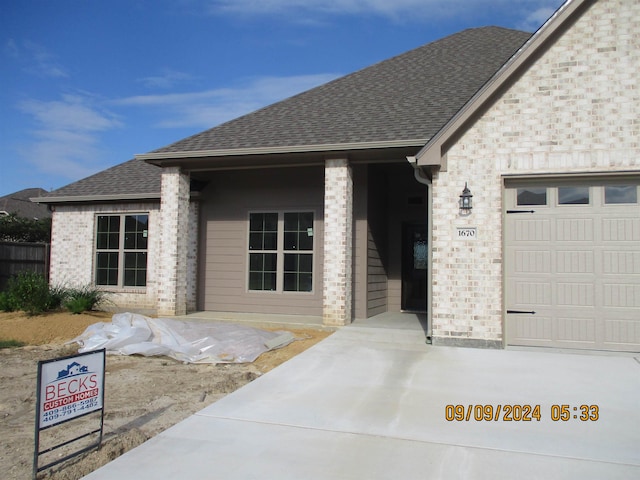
[{"x": 414, "y": 267}]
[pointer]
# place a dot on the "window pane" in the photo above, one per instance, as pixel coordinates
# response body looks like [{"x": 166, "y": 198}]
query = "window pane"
[
  {"x": 270, "y": 262},
  {"x": 270, "y": 241},
  {"x": 305, "y": 283},
  {"x": 532, "y": 196},
  {"x": 108, "y": 232},
  {"x": 573, "y": 195},
  {"x": 102, "y": 240},
  {"x": 135, "y": 268},
  {"x": 135, "y": 233},
  {"x": 291, "y": 221},
  {"x": 298, "y": 233},
  {"x": 620, "y": 194},
  {"x": 270, "y": 281},
  {"x": 290, "y": 263},
  {"x": 306, "y": 242},
  {"x": 271, "y": 222},
  {"x": 290, "y": 240},
  {"x": 298, "y": 272},
  {"x": 306, "y": 263},
  {"x": 255, "y": 241},
  {"x": 107, "y": 268},
  {"x": 306, "y": 220},
  {"x": 290, "y": 282},
  {"x": 255, "y": 281},
  {"x": 255, "y": 262},
  {"x": 262, "y": 271},
  {"x": 263, "y": 231}
]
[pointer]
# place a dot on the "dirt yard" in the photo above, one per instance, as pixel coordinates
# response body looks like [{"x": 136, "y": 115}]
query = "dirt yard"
[{"x": 143, "y": 395}]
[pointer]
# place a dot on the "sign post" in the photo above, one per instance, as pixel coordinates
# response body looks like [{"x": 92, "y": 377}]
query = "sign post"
[{"x": 68, "y": 388}]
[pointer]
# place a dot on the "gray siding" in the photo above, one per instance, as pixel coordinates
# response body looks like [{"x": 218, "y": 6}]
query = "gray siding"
[
  {"x": 226, "y": 203},
  {"x": 376, "y": 278},
  {"x": 377, "y": 292},
  {"x": 360, "y": 226}
]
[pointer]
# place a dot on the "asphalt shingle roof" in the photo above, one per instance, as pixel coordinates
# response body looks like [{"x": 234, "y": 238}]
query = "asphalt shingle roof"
[
  {"x": 132, "y": 177},
  {"x": 20, "y": 203},
  {"x": 408, "y": 97}
]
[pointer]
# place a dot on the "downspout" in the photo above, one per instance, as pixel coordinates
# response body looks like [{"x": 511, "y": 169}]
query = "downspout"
[{"x": 422, "y": 178}]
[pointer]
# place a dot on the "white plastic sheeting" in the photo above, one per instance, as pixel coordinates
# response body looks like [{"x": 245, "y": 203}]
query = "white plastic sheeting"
[{"x": 186, "y": 341}]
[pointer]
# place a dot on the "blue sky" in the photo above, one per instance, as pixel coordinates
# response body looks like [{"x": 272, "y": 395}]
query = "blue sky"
[{"x": 87, "y": 84}]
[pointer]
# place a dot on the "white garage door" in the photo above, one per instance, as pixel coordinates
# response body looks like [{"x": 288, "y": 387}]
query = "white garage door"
[{"x": 572, "y": 264}]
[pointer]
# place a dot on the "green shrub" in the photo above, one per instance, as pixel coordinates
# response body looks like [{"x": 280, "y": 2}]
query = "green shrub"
[
  {"x": 83, "y": 299},
  {"x": 7, "y": 302},
  {"x": 57, "y": 295},
  {"x": 29, "y": 291}
]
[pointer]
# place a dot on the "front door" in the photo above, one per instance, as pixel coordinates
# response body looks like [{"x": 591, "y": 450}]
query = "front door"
[{"x": 414, "y": 267}]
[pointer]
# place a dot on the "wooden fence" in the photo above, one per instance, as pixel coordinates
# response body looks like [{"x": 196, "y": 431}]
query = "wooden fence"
[{"x": 19, "y": 257}]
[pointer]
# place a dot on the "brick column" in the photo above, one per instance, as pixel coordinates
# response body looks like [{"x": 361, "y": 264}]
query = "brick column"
[
  {"x": 338, "y": 242},
  {"x": 174, "y": 242}
]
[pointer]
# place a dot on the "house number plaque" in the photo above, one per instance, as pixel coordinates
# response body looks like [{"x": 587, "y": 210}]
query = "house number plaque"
[{"x": 469, "y": 233}]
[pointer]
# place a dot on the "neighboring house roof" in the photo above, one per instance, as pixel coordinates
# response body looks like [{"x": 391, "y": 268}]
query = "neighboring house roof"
[
  {"x": 20, "y": 204},
  {"x": 397, "y": 103},
  {"x": 132, "y": 180},
  {"x": 436, "y": 147},
  {"x": 400, "y": 101}
]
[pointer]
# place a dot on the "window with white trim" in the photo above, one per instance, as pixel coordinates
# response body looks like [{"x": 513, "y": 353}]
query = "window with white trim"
[
  {"x": 281, "y": 251},
  {"x": 121, "y": 250}
]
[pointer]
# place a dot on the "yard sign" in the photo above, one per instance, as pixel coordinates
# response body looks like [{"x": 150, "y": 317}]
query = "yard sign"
[{"x": 68, "y": 388}]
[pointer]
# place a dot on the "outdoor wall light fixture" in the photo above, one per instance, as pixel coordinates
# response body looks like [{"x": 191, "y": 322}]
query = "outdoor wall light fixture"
[{"x": 465, "y": 200}]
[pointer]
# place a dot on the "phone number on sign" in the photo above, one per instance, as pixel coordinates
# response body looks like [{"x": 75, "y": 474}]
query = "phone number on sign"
[{"x": 519, "y": 413}]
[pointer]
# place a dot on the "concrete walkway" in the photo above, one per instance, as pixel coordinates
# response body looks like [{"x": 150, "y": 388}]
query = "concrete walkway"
[{"x": 370, "y": 402}]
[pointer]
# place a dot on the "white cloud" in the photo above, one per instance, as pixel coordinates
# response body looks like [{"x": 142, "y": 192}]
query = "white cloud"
[
  {"x": 35, "y": 58},
  {"x": 66, "y": 140},
  {"x": 398, "y": 10},
  {"x": 208, "y": 108},
  {"x": 535, "y": 19},
  {"x": 167, "y": 79}
]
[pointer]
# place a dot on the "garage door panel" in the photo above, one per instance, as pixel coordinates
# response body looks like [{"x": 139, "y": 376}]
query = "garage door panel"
[
  {"x": 621, "y": 262},
  {"x": 574, "y": 261},
  {"x": 622, "y": 331},
  {"x": 574, "y": 294},
  {"x": 531, "y": 230},
  {"x": 572, "y": 272},
  {"x": 531, "y": 330},
  {"x": 574, "y": 230},
  {"x": 576, "y": 329},
  {"x": 532, "y": 261},
  {"x": 620, "y": 229},
  {"x": 621, "y": 295},
  {"x": 532, "y": 293}
]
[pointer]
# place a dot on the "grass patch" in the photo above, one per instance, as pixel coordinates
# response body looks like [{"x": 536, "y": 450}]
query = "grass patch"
[{"x": 11, "y": 344}]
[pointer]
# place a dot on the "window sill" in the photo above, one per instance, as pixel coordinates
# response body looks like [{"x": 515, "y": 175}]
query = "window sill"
[{"x": 112, "y": 289}]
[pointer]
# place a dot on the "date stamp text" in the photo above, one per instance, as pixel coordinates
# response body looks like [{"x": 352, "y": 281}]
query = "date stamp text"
[{"x": 520, "y": 413}]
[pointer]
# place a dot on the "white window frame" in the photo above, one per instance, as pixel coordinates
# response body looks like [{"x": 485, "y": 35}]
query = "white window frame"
[
  {"x": 121, "y": 251},
  {"x": 280, "y": 252}
]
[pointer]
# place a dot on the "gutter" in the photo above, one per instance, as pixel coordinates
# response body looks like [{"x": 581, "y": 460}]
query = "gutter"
[
  {"x": 424, "y": 179},
  {"x": 157, "y": 157},
  {"x": 97, "y": 198}
]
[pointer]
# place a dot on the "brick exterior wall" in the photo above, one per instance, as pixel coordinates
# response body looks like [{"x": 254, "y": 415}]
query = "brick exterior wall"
[
  {"x": 73, "y": 251},
  {"x": 173, "y": 268},
  {"x": 574, "y": 110},
  {"x": 192, "y": 257},
  {"x": 171, "y": 285},
  {"x": 338, "y": 243}
]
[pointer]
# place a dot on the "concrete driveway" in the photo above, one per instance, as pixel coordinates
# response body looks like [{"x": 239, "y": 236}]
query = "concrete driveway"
[{"x": 371, "y": 402}]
